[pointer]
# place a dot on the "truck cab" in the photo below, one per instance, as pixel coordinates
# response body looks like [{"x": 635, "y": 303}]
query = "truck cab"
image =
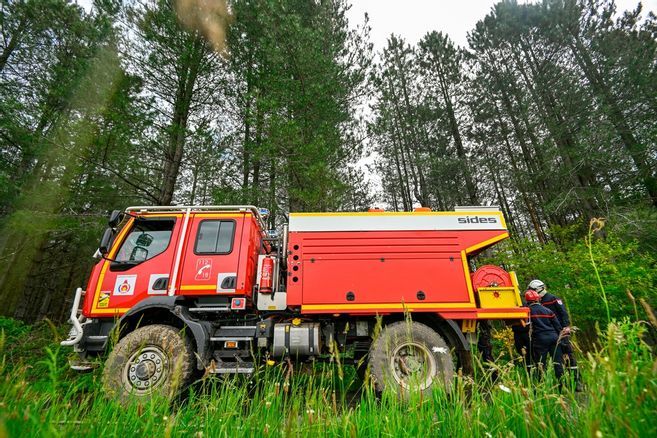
[
  {"x": 172, "y": 252},
  {"x": 210, "y": 287}
]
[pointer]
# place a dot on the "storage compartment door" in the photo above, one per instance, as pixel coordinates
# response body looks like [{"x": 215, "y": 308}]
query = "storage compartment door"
[{"x": 390, "y": 280}]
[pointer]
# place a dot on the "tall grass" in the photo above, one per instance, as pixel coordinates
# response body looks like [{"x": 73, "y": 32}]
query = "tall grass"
[
  {"x": 596, "y": 225},
  {"x": 39, "y": 396}
]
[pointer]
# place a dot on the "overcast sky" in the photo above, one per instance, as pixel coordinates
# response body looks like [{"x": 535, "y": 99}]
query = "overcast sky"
[{"x": 413, "y": 18}]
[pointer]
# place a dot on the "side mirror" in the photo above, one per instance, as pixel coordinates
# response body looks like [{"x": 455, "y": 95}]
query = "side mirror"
[
  {"x": 115, "y": 218},
  {"x": 144, "y": 240},
  {"x": 139, "y": 254},
  {"x": 106, "y": 241}
]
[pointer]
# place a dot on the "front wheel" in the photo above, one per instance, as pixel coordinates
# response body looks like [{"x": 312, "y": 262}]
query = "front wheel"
[
  {"x": 410, "y": 356},
  {"x": 155, "y": 359}
]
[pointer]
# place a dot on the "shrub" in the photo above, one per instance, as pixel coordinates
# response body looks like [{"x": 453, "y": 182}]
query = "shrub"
[{"x": 568, "y": 273}]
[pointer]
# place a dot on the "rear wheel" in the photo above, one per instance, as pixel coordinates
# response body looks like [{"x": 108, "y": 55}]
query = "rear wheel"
[
  {"x": 410, "y": 356},
  {"x": 155, "y": 359}
]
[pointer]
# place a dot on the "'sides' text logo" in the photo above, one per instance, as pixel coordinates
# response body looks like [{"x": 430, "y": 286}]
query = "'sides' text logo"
[{"x": 477, "y": 220}]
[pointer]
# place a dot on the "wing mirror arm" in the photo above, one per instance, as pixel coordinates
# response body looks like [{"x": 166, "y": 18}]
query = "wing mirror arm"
[{"x": 99, "y": 255}]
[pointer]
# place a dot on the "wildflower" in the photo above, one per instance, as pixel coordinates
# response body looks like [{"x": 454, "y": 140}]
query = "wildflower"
[
  {"x": 597, "y": 223},
  {"x": 505, "y": 388}
]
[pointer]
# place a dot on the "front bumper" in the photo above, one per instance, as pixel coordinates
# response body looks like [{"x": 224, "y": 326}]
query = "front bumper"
[
  {"x": 88, "y": 337},
  {"x": 76, "y": 333}
]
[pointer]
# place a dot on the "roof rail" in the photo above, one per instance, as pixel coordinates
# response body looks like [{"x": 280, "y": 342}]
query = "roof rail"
[{"x": 197, "y": 208}]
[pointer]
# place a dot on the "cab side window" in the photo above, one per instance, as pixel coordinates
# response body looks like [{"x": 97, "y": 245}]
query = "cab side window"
[
  {"x": 147, "y": 239},
  {"x": 215, "y": 237}
]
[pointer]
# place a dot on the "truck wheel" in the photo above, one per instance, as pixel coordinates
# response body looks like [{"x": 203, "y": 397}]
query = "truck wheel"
[
  {"x": 155, "y": 359},
  {"x": 410, "y": 356}
]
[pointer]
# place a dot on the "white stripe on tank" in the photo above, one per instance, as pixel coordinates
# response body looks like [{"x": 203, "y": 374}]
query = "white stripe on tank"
[{"x": 396, "y": 222}]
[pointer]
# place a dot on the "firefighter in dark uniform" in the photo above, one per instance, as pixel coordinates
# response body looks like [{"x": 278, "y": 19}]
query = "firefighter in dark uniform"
[
  {"x": 555, "y": 304},
  {"x": 544, "y": 333}
]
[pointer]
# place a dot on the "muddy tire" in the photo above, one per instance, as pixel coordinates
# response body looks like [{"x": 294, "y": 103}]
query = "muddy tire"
[
  {"x": 410, "y": 356},
  {"x": 152, "y": 360}
]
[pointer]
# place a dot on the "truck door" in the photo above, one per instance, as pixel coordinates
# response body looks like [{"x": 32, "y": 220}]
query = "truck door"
[
  {"x": 139, "y": 264},
  {"x": 211, "y": 258}
]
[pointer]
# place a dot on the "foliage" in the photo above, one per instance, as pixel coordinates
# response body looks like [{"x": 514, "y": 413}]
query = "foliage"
[
  {"x": 300, "y": 75},
  {"x": 568, "y": 273},
  {"x": 127, "y": 105},
  {"x": 620, "y": 398},
  {"x": 547, "y": 107}
]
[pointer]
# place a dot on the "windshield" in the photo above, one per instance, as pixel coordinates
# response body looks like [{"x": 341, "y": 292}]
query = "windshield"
[{"x": 148, "y": 238}]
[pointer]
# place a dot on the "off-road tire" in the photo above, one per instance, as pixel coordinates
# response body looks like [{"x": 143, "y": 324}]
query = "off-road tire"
[
  {"x": 168, "y": 347},
  {"x": 439, "y": 367}
]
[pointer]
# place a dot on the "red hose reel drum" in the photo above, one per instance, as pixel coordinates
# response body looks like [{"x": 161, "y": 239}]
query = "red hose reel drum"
[{"x": 491, "y": 276}]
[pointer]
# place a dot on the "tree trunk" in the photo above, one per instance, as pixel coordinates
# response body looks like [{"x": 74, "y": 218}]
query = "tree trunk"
[
  {"x": 178, "y": 128},
  {"x": 615, "y": 115},
  {"x": 456, "y": 135},
  {"x": 14, "y": 39},
  {"x": 557, "y": 128}
]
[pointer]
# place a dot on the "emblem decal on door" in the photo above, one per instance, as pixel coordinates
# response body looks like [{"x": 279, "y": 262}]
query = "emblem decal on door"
[
  {"x": 203, "y": 269},
  {"x": 125, "y": 284}
]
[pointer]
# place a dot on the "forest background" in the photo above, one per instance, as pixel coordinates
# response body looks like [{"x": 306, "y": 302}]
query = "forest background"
[{"x": 549, "y": 112}]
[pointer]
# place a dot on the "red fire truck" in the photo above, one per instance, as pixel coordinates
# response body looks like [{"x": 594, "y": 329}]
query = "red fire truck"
[{"x": 210, "y": 289}]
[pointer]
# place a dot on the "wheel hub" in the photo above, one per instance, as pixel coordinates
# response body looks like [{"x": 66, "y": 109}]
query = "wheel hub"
[
  {"x": 145, "y": 369},
  {"x": 412, "y": 364}
]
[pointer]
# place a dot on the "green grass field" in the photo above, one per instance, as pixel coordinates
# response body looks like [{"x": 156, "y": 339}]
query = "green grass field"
[{"x": 39, "y": 396}]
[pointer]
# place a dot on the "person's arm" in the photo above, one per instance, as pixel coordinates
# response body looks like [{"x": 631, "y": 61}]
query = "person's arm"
[
  {"x": 555, "y": 323},
  {"x": 561, "y": 311}
]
